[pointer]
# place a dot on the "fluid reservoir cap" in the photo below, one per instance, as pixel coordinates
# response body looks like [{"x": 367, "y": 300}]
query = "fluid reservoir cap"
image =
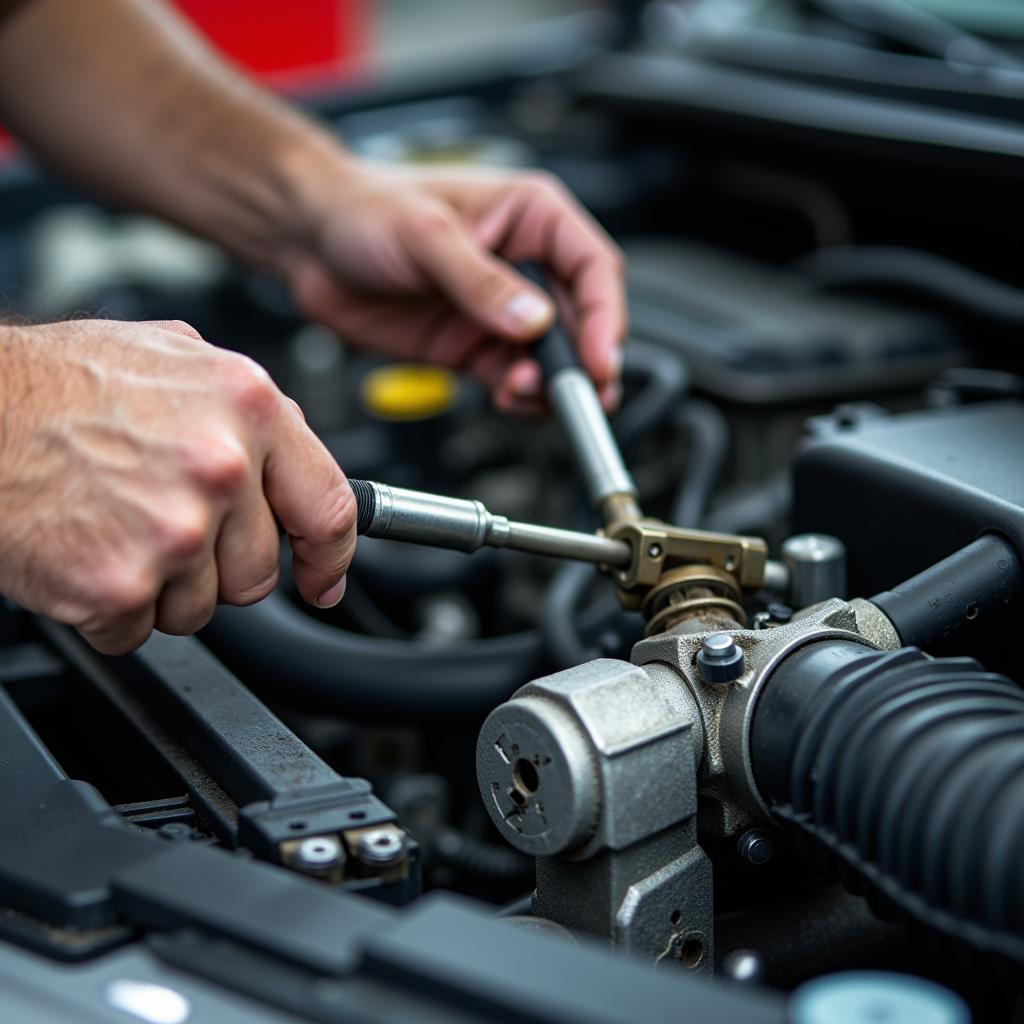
[
  {"x": 870, "y": 997},
  {"x": 406, "y": 392}
]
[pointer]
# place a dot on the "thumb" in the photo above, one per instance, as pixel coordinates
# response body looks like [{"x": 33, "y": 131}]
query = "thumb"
[{"x": 483, "y": 287}]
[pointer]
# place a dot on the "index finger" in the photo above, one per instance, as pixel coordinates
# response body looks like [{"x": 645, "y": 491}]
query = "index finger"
[
  {"x": 312, "y": 499},
  {"x": 547, "y": 224}
]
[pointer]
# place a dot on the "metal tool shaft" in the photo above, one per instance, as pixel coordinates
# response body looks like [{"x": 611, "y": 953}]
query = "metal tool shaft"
[
  {"x": 579, "y": 411},
  {"x": 463, "y": 525},
  {"x": 576, "y": 406}
]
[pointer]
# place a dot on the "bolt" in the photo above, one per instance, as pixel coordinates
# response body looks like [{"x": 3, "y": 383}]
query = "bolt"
[
  {"x": 380, "y": 847},
  {"x": 654, "y": 551},
  {"x": 743, "y": 965},
  {"x": 780, "y": 613},
  {"x": 175, "y": 831},
  {"x": 720, "y": 659},
  {"x": 755, "y": 847},
  {"x": 318, "y": 853}
]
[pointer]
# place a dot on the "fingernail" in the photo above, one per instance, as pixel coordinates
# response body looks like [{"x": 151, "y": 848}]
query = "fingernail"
[
  {"x": 527, "y": 310},
  {"x": 329, "y": 598},
  {"x": 612, "y": 395},
  {"x": 615, "y": 363}
]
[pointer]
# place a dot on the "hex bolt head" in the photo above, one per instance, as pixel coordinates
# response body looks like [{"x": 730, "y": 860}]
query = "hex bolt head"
[
  {"x": 720, "y": 659},
  {"x": 380, "y": 847},
  {"x": 319, "y": 853},
  {"x": 754, "y": 846}
]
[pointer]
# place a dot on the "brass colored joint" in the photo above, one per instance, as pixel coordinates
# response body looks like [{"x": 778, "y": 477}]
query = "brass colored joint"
[
  {"x": 658, "y": 548},
  {"x": 620, "y": 508}
]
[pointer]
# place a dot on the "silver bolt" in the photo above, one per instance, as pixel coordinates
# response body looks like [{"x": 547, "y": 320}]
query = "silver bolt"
[
  {"x": 381, "y": 846},
  {"x": 817, "y": 568},
  {"x": 654, "y": 551},
  {"x": 720, "y": 659},
  {"x": 755, "y": 847},
  {"x": 319, "y": 852}
]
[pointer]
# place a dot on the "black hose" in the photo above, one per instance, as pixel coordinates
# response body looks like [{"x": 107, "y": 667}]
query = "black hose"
[
  {"x": 667, "y": 381},
  {"x": 557, "y": 624},
  {"x": 936, "y": 278},
  {"x": 708, "y": 434},
  {"x": 482, "y": 860},
  {"x": 907, "y": 774},
  {"x": 280, "y": 648},
  {"x": 965, "y": 587}
]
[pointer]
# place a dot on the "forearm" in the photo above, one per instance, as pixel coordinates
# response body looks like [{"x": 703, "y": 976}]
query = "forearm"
[
  {"x": 124, "y": 99},
  {"x": 14, "y": 373}
]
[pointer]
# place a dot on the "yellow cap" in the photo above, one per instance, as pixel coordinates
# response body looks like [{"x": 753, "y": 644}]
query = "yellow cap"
[{"x": 409, "y": 391}]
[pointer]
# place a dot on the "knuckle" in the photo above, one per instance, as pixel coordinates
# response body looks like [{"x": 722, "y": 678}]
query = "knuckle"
[
  {"x": 185, "y": 531},
  {"x": 248, "y": 385},
  {"x": 221, "y": 463},
  {"x": 179, "y": 327},
  {"x": 117, "y": 593},
  {"x": 545, "y": 183},
  {"x": 432, "y": 220},
  {"x": 485, "y": 281}
]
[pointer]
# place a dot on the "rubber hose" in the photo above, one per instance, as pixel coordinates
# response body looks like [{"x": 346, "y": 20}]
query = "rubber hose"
[
  {"x": 483, "y": 860},
  {"x": 280, "y": 648},
  {"x": 967, "y": 586},
  {"x": 667, "y": 381},
  {"x": 557, "y": 623},
  {"x": 907, "y": 774},
  {"x": 708, "y": 432},
  {"x": 891, "y": 268}
]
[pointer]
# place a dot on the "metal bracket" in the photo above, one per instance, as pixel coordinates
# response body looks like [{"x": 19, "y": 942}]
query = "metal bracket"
[{"x": 659, "y": 548}]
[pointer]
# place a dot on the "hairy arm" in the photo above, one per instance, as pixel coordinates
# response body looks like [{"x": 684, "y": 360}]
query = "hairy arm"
[
  {"x": 122, "y": 97},
  {"x": 126, "y": 100}
]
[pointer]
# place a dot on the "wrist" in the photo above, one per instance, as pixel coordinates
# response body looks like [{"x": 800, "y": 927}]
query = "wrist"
[{"x": 314, "y": 172}]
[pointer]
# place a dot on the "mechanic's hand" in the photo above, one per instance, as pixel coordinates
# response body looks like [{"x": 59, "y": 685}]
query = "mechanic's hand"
[
  {"x": 140, "y": 473},
  {"x": 416, "y": 263}
]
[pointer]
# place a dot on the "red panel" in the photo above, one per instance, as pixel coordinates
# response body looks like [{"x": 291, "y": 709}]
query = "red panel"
[
  {"x": 281, "y": 40},
  {"x": 285, "y": 44}
]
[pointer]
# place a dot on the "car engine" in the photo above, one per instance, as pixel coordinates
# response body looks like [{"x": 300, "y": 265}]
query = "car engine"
[{"x": 711, "y": 713}]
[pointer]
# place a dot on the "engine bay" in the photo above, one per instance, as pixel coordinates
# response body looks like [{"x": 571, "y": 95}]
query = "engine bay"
[{"x": 776, "y": 745}]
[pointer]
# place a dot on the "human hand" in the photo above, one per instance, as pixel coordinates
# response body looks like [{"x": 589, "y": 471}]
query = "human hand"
[
  {"x": 415, "y": 263},
  {"x": 140, "y": 473}
]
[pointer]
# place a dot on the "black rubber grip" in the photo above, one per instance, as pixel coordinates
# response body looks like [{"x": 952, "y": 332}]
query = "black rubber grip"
[
  {"x": 366, "y": 504},
  {"x": 554, "y": 351}
]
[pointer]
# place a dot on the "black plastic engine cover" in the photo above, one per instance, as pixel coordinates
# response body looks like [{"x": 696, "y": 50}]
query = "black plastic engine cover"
[{"x": 904, "y": 491}]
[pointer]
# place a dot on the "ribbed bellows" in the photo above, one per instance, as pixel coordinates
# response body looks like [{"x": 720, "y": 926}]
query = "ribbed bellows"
[{"x": 909, "y": 773}]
